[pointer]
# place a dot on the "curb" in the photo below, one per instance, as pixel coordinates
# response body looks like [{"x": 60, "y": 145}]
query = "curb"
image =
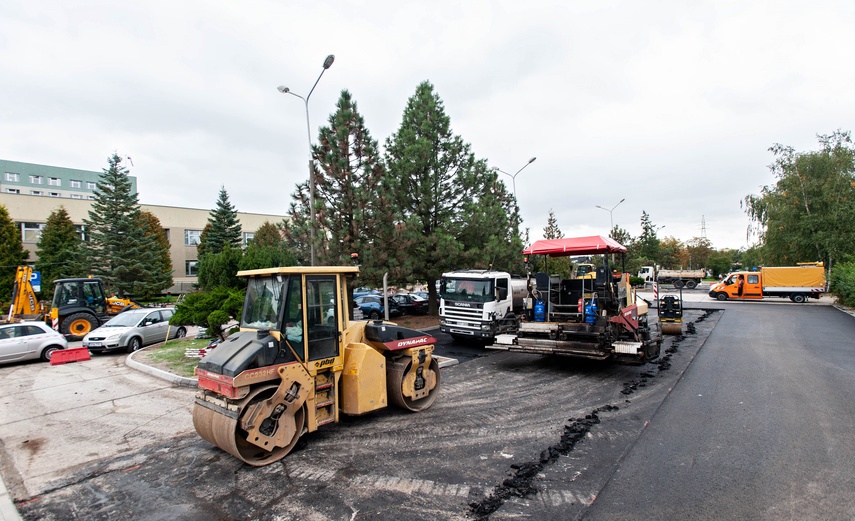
[{"x": 159, "y": 373}]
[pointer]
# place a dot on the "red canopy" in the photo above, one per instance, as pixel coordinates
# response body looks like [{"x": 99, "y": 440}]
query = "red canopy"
[{"x": 595, "y": 244}]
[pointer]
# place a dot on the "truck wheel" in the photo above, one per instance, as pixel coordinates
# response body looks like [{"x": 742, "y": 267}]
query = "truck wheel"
[
  {"x": 721, "y": 296},
  {"x": 678, "y": 284},
  {"x": 691, "y": 284},
  {"x": 797, "y": 298},
  {"x": 78, "y": 325}
]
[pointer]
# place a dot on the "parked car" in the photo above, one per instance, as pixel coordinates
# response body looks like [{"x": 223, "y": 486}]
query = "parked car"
[
  {"x": 132, "y": 330},
  {"x": 411, "y": 304},
  {"x": 29, "y": 340},
  {"x": 372, "y": 307},
  {"x": 362, "y": 291}
]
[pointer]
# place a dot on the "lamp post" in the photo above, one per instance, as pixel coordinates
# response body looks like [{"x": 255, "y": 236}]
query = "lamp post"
[
  {"x": 514, "y": 176},
  {"x": 285, "y": 90},
  {"x": 611, "y": 213}
]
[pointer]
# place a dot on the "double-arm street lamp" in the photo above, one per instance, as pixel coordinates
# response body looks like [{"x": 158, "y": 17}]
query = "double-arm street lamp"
[
  {"x": 514, "y": 176},
  {"x": 611, "y": 213},
  {"x": 285, "y": 90}
]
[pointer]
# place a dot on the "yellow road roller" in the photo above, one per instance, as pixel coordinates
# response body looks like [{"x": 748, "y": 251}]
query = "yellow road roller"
[
  {"x": 671, "y": 315},
  {"x": 299, "y": 362}
]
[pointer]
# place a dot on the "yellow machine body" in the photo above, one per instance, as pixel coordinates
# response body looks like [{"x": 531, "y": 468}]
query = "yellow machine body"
[{"x": 299, "y": 362}]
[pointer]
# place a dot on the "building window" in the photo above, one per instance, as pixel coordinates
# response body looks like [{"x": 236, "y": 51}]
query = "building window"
[
  {"x": 31, "y": 232},
  {"x": 11, "y": 176},
  {"x": 36, "y": 192},
  {"x": 53, "y": 194},
  {"x": 12, "y": 191},
  {"x": 35, "y": 179},
  {"x": 76, "y": 196},
  {"x": 192, "y": 237},
  {"x": 54, "y": 181},
  {"x": 90, "y": 185},
  {"x": 74, "y": 183},
  {"x": 191, "y": 268},
  {"x": 247, "y": 236},
  {"x": 91, "y": 197},
  {"x": 80, "y": 230}
]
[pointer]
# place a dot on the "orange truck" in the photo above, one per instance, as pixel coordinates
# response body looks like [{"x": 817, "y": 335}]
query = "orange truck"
[{"x": 798, "y": 283}]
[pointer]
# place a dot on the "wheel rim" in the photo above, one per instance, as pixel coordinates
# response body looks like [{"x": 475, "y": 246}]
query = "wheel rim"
[
  {"x": 80, "y": 327},
  {"x": 181, "y": 333},
  {"x": 135, "y": 344}
]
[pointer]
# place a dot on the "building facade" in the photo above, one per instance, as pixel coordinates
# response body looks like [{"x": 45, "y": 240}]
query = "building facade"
[{"x": 30, "y": 211}]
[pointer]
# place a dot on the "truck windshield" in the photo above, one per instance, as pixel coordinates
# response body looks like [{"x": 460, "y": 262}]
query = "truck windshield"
[
  {"x": 470, "y": 290},
  {"x": 263, "y": 298}
]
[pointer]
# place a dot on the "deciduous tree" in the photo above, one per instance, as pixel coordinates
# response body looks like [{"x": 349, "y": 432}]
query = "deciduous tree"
[{"x": 809, "y": 213}]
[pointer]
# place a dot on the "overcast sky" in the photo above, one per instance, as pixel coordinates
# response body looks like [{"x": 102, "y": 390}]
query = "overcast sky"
[{"x": 669, "y": 105}]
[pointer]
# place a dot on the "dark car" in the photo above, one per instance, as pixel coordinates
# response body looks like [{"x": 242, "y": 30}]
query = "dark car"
[
  {"x": 372, "y": 307},
  {"x": 411, "y": 304}
]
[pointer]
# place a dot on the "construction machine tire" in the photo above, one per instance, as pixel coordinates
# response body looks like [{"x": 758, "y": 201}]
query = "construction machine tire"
[
  {"x": 226, "y": 433},
  {"x": 78, "y": 325},
  {"x": 395, "y": 385},
  {"x": 671, "y": 328}
]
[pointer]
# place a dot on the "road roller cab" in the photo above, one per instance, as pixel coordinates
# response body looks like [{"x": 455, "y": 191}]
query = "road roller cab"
[{"x": 298, "y": 362}]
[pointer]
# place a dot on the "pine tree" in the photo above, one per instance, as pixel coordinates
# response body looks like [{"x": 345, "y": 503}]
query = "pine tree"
[
  {"x": 551, "y": 230},
  {"x": 59, "y": 249},
  {"x": 161, "y": 270},
  {"x": 648, "y": 242},
  {"x": 12, "y": 252},
  {"x": 118, "y": 250},
  {"x": 225, "y": 227},
  {"x": 430, "y": 183},
  {"x": 560, "y": 265},
  {"x": 348, "y": 192}
]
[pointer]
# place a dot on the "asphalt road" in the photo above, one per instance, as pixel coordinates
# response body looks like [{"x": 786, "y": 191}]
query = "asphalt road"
[
  {"x": 511, "y": 436},
  {"x": 760, "y": 427}
]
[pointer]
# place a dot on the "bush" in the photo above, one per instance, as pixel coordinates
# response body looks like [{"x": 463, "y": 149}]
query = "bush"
[
  {"x": 636, "y": 281},
  {"x": 198, "y": 308},
  {"x": 842, "y": 283}
]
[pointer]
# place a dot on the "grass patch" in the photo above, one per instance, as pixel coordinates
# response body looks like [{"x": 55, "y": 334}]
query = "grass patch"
[{"x": 170, "y": 356}]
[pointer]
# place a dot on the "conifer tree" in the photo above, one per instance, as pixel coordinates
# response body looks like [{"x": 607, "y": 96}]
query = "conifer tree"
[
  {"x": 12, "y": 252},
  {"x": 59, "y": 250},
  {"x": 118, "y": 250},
  {"x": 440, "y": 192},
  {"x": 225, "y": 227},
  {"x": 350, "y": 209}
]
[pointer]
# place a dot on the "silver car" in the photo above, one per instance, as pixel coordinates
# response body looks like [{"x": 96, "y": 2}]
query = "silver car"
[
  {"x": 133, "y": 329},
  {"x": 29, "y": 340}
]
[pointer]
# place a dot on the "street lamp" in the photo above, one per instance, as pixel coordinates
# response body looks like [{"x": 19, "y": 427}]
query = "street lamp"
[
  {"x": 514, "y": 176},
  {"x": 611, "y": 213},
  {"x": 285, "y": 90}
]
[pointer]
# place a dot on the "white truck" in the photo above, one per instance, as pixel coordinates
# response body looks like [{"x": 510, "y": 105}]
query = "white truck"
[
  {"x": 680, "y": 278},
  {"x": 480, "y": 304}
]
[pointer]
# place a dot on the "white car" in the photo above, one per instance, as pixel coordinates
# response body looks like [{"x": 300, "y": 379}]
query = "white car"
[
  {"x": 133, "y": 329},
  {"x": 29, "y": 340}
]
